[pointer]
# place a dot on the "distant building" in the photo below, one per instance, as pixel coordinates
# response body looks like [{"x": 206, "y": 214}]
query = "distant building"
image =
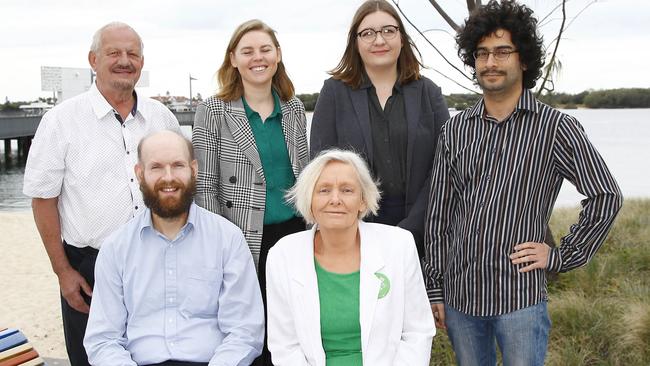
[
  {"x": 66, "y": 82},
  {"x": 175, "y": 103},
  {"x": 35, "y": 108}
]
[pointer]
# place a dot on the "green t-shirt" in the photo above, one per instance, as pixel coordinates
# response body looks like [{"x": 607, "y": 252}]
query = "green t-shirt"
[
  {"x": 276, "y": 164},
  {"x": 339, "y": 316}
]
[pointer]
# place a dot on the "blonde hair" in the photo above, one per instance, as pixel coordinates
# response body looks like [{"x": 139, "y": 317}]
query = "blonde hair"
[
  {"x": 230, "y": 83},
  {"x": 300, "y": 194}
]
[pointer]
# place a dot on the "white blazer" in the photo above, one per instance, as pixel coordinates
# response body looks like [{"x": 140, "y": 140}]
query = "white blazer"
[{"x": 397, "y": 326}]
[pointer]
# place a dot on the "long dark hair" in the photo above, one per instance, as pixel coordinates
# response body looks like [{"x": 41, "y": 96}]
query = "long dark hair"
[{"x": 350, "y": 69}]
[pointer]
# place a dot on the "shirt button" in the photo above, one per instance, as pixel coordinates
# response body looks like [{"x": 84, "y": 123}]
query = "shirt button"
[
  {"x": 172, "y": 344},
  {"x": 127, "y": 153},
  {"x": 170, "y": 271},
  {"x": 131, "y": 179},
  {"x": 233, "y": 179},
  {"x": 171, "y": 320},
  {"x": 487, "y": 178},
  {"x": 481, "y": 204},
  {"x": 171, "y": 299},
  {"x": 136, "y": 207}
]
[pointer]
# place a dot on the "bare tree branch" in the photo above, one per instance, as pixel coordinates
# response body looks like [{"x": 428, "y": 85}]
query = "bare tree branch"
[
  {"x": 553, "y": 55},
  {"x": 433, "y": 46},
  {"x": 541, "y": 21},
  {"x": 444, "y": 15},
  {"x": 452, "y": 80},
  {"x": 471, "y": 5}
]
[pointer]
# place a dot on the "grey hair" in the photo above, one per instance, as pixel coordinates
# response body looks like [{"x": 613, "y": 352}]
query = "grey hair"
[
  {"x": 300, "y": 194},
  {"x": 97, "y": 37}
]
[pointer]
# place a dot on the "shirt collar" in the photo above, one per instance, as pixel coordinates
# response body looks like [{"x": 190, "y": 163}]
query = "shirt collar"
[
  {"x": 101, "y": 107},
  {"x": 366, "y": 83},
  {"x": 147, "y": 224},
  {"x": 527, "y": 102},
  {"x": 276, "y": 106}
]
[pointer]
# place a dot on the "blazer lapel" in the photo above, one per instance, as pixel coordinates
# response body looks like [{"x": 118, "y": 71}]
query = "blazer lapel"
[
  {"x": 289, "y": 124},
  {"x": 412, "y": 100},
  {"x": 243, "y": 134},
  {"x": 360, "y": 104},
  {"x": 369, "y": 284},
  {"x": 303, "y": 277}
]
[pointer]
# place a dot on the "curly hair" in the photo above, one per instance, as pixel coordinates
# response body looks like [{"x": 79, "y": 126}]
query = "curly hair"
[{"x": 516, "y": 19}]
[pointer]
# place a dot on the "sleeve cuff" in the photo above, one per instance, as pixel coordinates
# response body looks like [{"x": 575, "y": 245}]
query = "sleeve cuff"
[
  {"x": 554, "y": 260},
  {"x": 435, "y": 295}
]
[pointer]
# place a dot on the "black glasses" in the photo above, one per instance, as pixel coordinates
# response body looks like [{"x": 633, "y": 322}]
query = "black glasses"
[
  {"x": 369, "y": 35},
  {"x": 500, "y": 54}
]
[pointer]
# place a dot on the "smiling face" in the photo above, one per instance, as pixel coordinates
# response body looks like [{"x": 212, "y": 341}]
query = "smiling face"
[
  {"x": 337, "y": 200},
  {"x": 381, "y": 53},
  {"x": 499, "y": 76},
  {"x": 256, "y": 58},
  {"x": 166, "y": 174},
  {"x": 119, "y": 61}
]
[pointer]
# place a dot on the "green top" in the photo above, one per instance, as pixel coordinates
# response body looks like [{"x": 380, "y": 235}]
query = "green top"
[
  {"x": 339, "y": 316},
  {"x": 276, "y": 164}
]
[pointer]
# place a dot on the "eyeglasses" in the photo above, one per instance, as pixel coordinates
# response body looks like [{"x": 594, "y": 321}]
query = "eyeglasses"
[
  {"x": 369, "y": 35},
  {"x": 500, "y": 54}
]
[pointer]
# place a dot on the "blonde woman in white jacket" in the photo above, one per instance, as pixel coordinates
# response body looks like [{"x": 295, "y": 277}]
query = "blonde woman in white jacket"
[{"x": 345, "y": 292}]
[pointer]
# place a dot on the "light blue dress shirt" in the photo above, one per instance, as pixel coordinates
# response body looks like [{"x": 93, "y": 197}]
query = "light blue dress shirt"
[{"x": 195, "y": 298}]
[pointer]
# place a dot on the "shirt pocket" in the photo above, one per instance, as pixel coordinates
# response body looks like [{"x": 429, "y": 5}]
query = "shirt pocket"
[{"x": 203, "y": 288}]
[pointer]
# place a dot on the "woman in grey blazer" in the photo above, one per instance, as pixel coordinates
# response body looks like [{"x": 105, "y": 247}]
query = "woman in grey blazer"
[
  {"x": 250, "y": 142},
  {"x": 378, "y": 104}
]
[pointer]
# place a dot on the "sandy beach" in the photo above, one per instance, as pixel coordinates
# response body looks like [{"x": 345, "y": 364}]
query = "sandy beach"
[{"x": 30, "y": 291}]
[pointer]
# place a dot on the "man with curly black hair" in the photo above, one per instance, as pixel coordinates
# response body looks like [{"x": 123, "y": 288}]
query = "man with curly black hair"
[{"x": 498, "y": 169}]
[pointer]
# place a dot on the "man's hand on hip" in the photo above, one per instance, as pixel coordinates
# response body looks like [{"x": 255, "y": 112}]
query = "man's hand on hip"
[
  {"x": 71, "y": 284},
  {"x": 534, "y": 253}
]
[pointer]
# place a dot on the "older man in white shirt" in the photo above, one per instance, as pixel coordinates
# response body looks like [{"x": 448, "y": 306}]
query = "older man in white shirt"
[{"x": 79, "y": 170}]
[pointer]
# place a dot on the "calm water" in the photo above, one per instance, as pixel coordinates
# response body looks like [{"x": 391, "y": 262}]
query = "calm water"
[{"x": 621, "y": 135}]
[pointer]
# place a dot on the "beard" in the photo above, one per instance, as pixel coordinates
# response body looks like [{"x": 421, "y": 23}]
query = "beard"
[{"x": 168, "y": 207}]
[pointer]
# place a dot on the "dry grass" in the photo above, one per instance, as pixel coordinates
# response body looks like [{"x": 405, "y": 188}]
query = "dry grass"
[{"x": 600, "y": 313}]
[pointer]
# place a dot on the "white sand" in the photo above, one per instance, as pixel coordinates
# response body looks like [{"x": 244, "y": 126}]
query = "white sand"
[{"x": 29, "y": 288}]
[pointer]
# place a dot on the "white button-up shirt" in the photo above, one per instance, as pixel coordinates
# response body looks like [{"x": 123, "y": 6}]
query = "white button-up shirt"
[{"x": 83, "y": 155}]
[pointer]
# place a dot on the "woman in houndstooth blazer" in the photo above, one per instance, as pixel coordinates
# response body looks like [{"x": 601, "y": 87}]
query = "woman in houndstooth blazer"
[{"x": 250, "y": 142}]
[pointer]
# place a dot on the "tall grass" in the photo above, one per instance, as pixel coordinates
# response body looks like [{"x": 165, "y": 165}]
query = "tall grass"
[{"x": 600, "y": 313}]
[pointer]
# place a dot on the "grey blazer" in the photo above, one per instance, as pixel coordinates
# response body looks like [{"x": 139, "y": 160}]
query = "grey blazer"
[
  {"x": 341, "y": 119},
  {"x": 231, "y": 181}
]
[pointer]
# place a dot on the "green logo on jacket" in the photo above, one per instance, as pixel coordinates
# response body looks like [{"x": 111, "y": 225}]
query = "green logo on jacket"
[{"x": 385, "y": 285}]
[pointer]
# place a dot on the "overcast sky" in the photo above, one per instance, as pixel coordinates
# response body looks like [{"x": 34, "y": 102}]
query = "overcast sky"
[{"x": 607, "y": 46}]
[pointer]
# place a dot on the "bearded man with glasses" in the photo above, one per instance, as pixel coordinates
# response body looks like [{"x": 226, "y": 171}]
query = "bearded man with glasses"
[{"x": 498, "y": 169}]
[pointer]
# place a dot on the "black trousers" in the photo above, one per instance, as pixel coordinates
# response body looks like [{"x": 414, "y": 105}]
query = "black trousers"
[
  {"x": 270, "y": 236},
  {"x": 74, "y": 323}
]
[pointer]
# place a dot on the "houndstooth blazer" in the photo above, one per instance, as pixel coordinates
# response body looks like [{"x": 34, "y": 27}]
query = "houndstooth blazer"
[{"x": 231, "y": 181}]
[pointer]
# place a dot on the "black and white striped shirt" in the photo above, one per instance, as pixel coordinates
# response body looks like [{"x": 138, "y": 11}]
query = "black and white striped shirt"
[{"x": 493, "y": 186}]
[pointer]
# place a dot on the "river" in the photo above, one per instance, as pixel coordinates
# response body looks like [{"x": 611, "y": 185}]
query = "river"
[{"x": 622, "y": 136}]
